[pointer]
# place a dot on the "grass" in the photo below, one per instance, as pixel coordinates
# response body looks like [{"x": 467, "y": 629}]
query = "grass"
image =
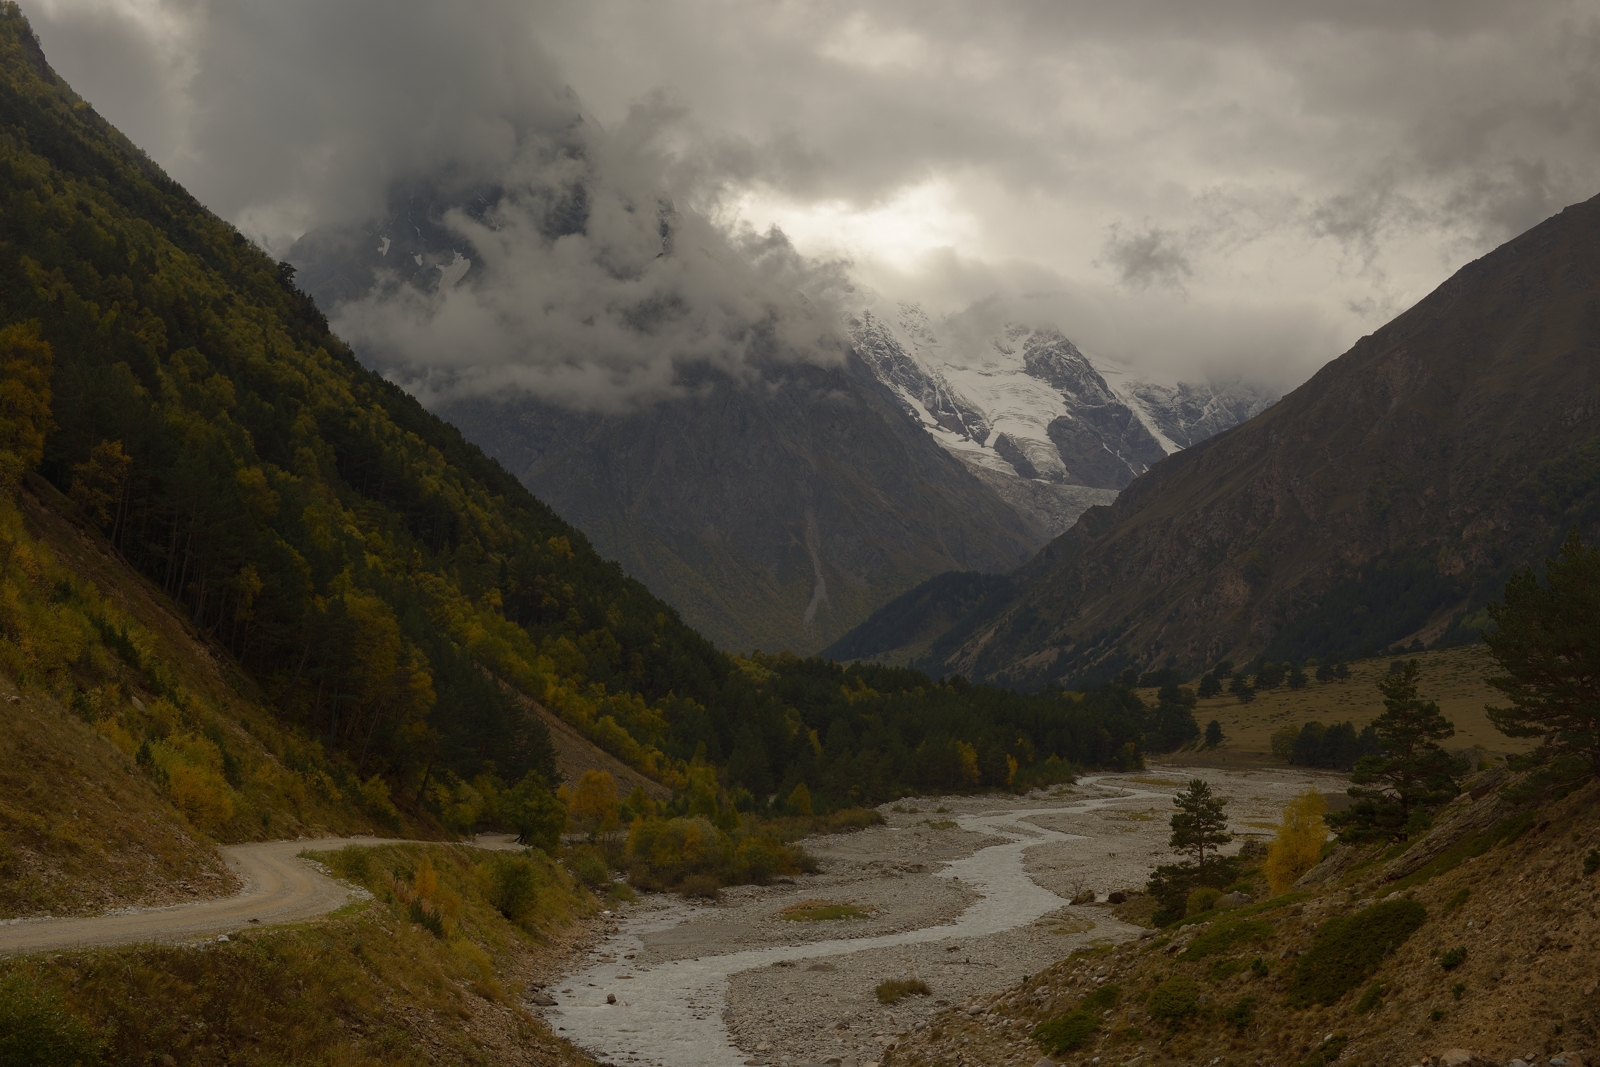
[
  {"x": 1452, "y": 677},
  {"x": 894, "y": 990},
  {"x": 362, "y": 990},
  {"x": 1348, "y": 949},
  {"x": 822, "y": 911}
]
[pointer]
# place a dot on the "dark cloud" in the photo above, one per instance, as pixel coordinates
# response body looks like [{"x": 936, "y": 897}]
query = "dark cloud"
[{"x": 1147, "y": 257}]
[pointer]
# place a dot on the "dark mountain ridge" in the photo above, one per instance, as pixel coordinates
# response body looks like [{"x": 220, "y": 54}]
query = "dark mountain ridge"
[{"x": 1385, "y": 500}]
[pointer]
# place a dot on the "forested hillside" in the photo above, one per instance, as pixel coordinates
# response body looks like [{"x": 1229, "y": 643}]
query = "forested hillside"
[{"x": 375, "y": 580}]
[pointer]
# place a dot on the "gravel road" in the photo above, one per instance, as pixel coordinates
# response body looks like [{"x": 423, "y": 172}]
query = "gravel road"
[{"x": 279, "y": 887}]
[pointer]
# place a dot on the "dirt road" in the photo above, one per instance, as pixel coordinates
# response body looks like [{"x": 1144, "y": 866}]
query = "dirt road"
[{"x": 279, "y": 887}]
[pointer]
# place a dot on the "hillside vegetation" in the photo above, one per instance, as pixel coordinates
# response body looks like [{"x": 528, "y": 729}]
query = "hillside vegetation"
[{"x": 396, "y": 600}]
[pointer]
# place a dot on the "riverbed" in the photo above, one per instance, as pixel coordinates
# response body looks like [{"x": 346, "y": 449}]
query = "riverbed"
[{"x": 967, "y": 894}]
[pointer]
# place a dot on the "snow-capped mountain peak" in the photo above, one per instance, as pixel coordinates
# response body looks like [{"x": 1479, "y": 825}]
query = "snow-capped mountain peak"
[{"x": 1032, "y": 415}]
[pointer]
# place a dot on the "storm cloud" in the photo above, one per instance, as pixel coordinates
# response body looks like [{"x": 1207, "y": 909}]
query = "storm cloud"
[{"x": 1247, "y": 183}]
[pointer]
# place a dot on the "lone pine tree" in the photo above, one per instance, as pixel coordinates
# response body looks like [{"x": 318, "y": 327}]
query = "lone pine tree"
[
  {"x": 1411, "y": 775},
  {"x": 1547, "y": 643},
  {"x": 1199, "y": 823}
]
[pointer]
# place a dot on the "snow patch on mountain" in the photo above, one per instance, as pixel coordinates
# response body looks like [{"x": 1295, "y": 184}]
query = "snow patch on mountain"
[{"x": 1052, "y": 430}]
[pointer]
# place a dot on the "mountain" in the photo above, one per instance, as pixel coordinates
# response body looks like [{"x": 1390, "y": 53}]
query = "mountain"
[
  {"x": 774, "y": 509},
  {"x": 1031, "y": 415},
  {"x": 774, "y": 517},
  {"x": 1384, "y": 501},
  {"x": 778, "y": 511}
]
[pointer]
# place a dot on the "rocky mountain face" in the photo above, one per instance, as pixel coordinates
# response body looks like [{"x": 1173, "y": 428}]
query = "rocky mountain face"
[
  {"x": 1384, "y": 501},
  {"x": 1031, "y": 415},
  {"x": 775, "y": 517}
]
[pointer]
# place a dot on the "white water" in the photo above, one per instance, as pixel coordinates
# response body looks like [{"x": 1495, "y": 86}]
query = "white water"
[{"x": 670, "y": 1014}]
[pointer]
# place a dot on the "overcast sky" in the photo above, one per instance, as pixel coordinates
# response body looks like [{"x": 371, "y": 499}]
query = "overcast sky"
[{"x": 1189, "y": 185}]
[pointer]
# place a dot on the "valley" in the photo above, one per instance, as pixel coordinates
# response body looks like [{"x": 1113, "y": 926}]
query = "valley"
[{"x": 965, "y": 893}]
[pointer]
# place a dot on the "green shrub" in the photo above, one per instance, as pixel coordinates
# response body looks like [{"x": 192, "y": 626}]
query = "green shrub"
[
  {"x": 1066, "y": 1033},
  {"x": 1458, "y": 990},
  {"x": 589, "y": 867},
  {"x": 894, "y": 990},
  {"x": 1437, "y": 1015},
  {"x": 1104, "y": 998},
  {"x": 1174, "y": 999},
  {"x": 1223, "y": 936},
  {"x": 1348, "y": 949},
  {"x": 1242, "y": 1013},
  {"x": 1460, "y": 898},
  {"x": 510, "y": 883},
  {"x": 1203, "y": 899},
  {"x": 1372, "y": 998},
  {"x": 1454, "y": 958},
  {"x": 1591, "y": 862},
  {"x": 35, "y": 1031}
]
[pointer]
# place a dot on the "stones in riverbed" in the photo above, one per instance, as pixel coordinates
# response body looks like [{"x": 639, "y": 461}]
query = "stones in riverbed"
[
  {"x": 542, "y": 1000},
  {"x": 611, "y": 998}
]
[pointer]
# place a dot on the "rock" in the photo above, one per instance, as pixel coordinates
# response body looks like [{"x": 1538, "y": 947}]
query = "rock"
[
  {"x": 1233, "y": 900},
  {"x": 1116, "y": 898},
  {"x": 222, "y": 937},
  {"x": 1518, "y": 1062},
  {"x": 611, "y": 998},
  {"x": 1046, "y": 1062},
  {"x": 763, "y": 1046},
  {"x": 542, "y": 1000},
  {"x": 1456, "y": 1057}
]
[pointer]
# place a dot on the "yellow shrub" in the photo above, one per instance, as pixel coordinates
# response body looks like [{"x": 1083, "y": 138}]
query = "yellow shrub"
[
  {"x": 201, "y": 794},
  {"x": 1299, "y": 842}
]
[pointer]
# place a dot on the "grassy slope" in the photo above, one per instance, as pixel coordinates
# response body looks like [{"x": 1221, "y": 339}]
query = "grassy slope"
[
  {"x": 369, "y": 986},
  {"x": 1523, "y": 909},
  {"x": 1452, "y": 677}
]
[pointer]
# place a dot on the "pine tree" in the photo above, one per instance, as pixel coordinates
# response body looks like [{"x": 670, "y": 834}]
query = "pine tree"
[
  {"x": 1213, "y": 733},
  {"x": 1241, "y": 688},
  {"x": 1199, "y": 823},
  {"x": 1210, "y": 686},
  {"x": 1547, "y": 643},
  {"x": 1411, "y": 775}
]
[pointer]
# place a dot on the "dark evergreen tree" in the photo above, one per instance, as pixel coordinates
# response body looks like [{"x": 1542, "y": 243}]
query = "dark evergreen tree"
[
  {"x": 1296, "y": 677},
  {"x": 1213, "y": 733},
  {"x": 1546, "y": 642},
  {"x": 1210, "y": 686},
  {"x": 1395, "y": 790},
  {"x": 1269, "y": 676},
  {"x": 1199, "y": 823},
  {"x": 1241, "y": 688}
]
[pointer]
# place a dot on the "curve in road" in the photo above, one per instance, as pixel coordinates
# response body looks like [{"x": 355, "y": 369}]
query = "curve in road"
[{"x": 279, "y": 887}]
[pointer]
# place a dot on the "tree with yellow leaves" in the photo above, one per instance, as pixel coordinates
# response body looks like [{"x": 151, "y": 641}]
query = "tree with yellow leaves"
[
  {"x": 592, "y": 808},
  {"x": 25, "y": 362},
  {"x": 1298, "y": 845}
]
